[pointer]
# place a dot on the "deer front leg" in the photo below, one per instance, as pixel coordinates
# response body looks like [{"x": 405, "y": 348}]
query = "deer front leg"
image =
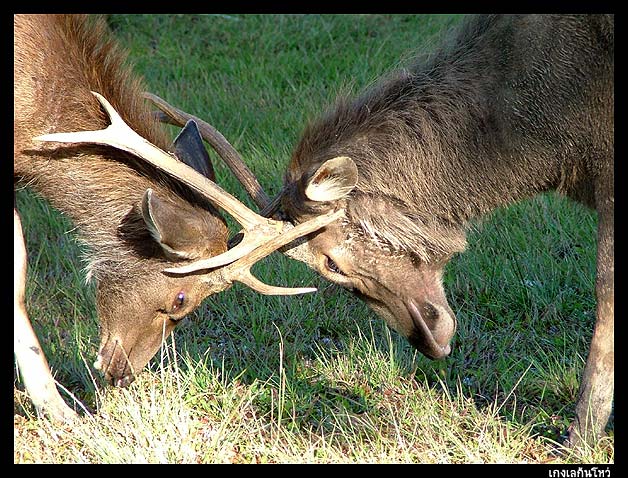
[
  {"x": 595, "y": 399},
  {"x": 32, "y": 364}
]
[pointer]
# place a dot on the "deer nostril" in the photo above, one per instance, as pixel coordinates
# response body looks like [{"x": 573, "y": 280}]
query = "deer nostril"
[
  {"x": 445, "y": 323},
  {"x": 433, "y": 328},
  {"x": 429, "y": 313}
]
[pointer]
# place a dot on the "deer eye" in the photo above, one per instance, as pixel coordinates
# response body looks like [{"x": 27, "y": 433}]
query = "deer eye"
[
  {"x": 178, "y": 302},
  {"x": 332, "y": 266}
]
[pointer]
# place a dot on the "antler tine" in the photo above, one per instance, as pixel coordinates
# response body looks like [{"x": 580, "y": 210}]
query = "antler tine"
[
  {"x": 119, "y": 135},
  {"x": 224, "y": 149},
  {"x": 171, "y": 115},
  {"x": 241, "y": 270}
]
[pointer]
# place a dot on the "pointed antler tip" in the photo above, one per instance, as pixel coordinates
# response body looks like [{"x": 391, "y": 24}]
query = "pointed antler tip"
[
  {"x": 308, "y": 290},
  {"x": 272, "y": 290},
  {"x": 43, "y": 137}
]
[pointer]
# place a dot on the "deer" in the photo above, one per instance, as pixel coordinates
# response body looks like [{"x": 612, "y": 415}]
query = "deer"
[
  {"x": 86, "y": 140},
  {"x": 506, "y": 107}
]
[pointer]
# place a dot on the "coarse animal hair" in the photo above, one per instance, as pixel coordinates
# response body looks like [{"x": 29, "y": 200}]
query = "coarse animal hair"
[
  {"x": 59, "y": 60},
  {"x": 505, "y": 108}
]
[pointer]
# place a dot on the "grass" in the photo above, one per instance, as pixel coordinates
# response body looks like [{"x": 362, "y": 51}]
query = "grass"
[{"x": 317, "y": 378}]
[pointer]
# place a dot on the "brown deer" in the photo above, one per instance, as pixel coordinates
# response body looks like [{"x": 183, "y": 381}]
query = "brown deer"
[
  {"x": 506, "y": 108},
  {"x": 145, "y": 230}
]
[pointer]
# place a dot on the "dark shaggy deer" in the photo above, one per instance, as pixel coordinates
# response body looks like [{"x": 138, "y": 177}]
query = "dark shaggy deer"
[
  {"x": 140, "y": 225},
  {"x": 508, "y": 107}
]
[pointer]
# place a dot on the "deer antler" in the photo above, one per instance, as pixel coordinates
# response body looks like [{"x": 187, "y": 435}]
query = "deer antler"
[
  {"x": 172, "y": 115},
  {"x": 299, "y": 250},
  {"x": 262, "y": 235}
]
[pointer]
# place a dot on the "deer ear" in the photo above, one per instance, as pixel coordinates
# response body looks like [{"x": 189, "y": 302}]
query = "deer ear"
[
  {"x": 176, "y": 231},
  {"x": 188, "y": 147},
  {"x": 334, "y": 179}
]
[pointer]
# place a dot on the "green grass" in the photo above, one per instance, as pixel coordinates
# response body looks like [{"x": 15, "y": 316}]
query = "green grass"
[{"x": 317, "y": 378}]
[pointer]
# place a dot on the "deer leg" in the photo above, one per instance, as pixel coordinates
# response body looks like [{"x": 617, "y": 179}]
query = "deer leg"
[
  {"x": 595, "y": 400},
  {"x": 32, "y": 364}
]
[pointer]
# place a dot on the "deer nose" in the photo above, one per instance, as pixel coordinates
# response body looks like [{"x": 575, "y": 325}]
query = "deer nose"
[
  {"x": 434, "y": 326},
  {"x": 113, "y": 362}
]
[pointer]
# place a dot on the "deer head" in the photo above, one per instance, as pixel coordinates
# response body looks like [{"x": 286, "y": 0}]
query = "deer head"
[
  {"x": 126, "y": 348},
  {"x": 362, "y": 253}
]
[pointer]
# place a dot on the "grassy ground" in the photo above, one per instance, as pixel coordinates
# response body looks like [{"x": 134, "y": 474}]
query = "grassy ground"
[{"x": 317, "y": 378}]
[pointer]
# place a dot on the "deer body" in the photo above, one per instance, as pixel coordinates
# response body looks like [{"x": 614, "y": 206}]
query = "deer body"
[
  {"x": 509, "y": 107},
  {"x": 85, "y": 140},
  {"x": 131, "y": 234}
]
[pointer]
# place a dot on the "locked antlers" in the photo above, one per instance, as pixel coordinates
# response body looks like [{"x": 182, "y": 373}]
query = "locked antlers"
[{"x": 262, "y": 235}]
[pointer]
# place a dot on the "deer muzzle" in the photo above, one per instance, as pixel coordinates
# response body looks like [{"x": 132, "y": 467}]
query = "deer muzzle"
[
  {"x": 434, "y": 326},
  {"x": 114, "y": 363}
]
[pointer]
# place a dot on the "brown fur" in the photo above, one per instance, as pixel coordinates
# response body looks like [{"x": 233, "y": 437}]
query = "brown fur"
[
  {"x": 507, "y": 107},
  {"x": 59, "y": 59}
]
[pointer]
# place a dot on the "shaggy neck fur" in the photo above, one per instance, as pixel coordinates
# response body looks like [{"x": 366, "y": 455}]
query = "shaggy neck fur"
[
  {"x": 99, "y": 188},
  {"x": 491, "y": 117}
]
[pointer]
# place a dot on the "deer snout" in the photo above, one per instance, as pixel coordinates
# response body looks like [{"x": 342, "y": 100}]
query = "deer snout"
[
  {"x": 114, "y": 363},
  {"x": 434, "y": 327}
]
